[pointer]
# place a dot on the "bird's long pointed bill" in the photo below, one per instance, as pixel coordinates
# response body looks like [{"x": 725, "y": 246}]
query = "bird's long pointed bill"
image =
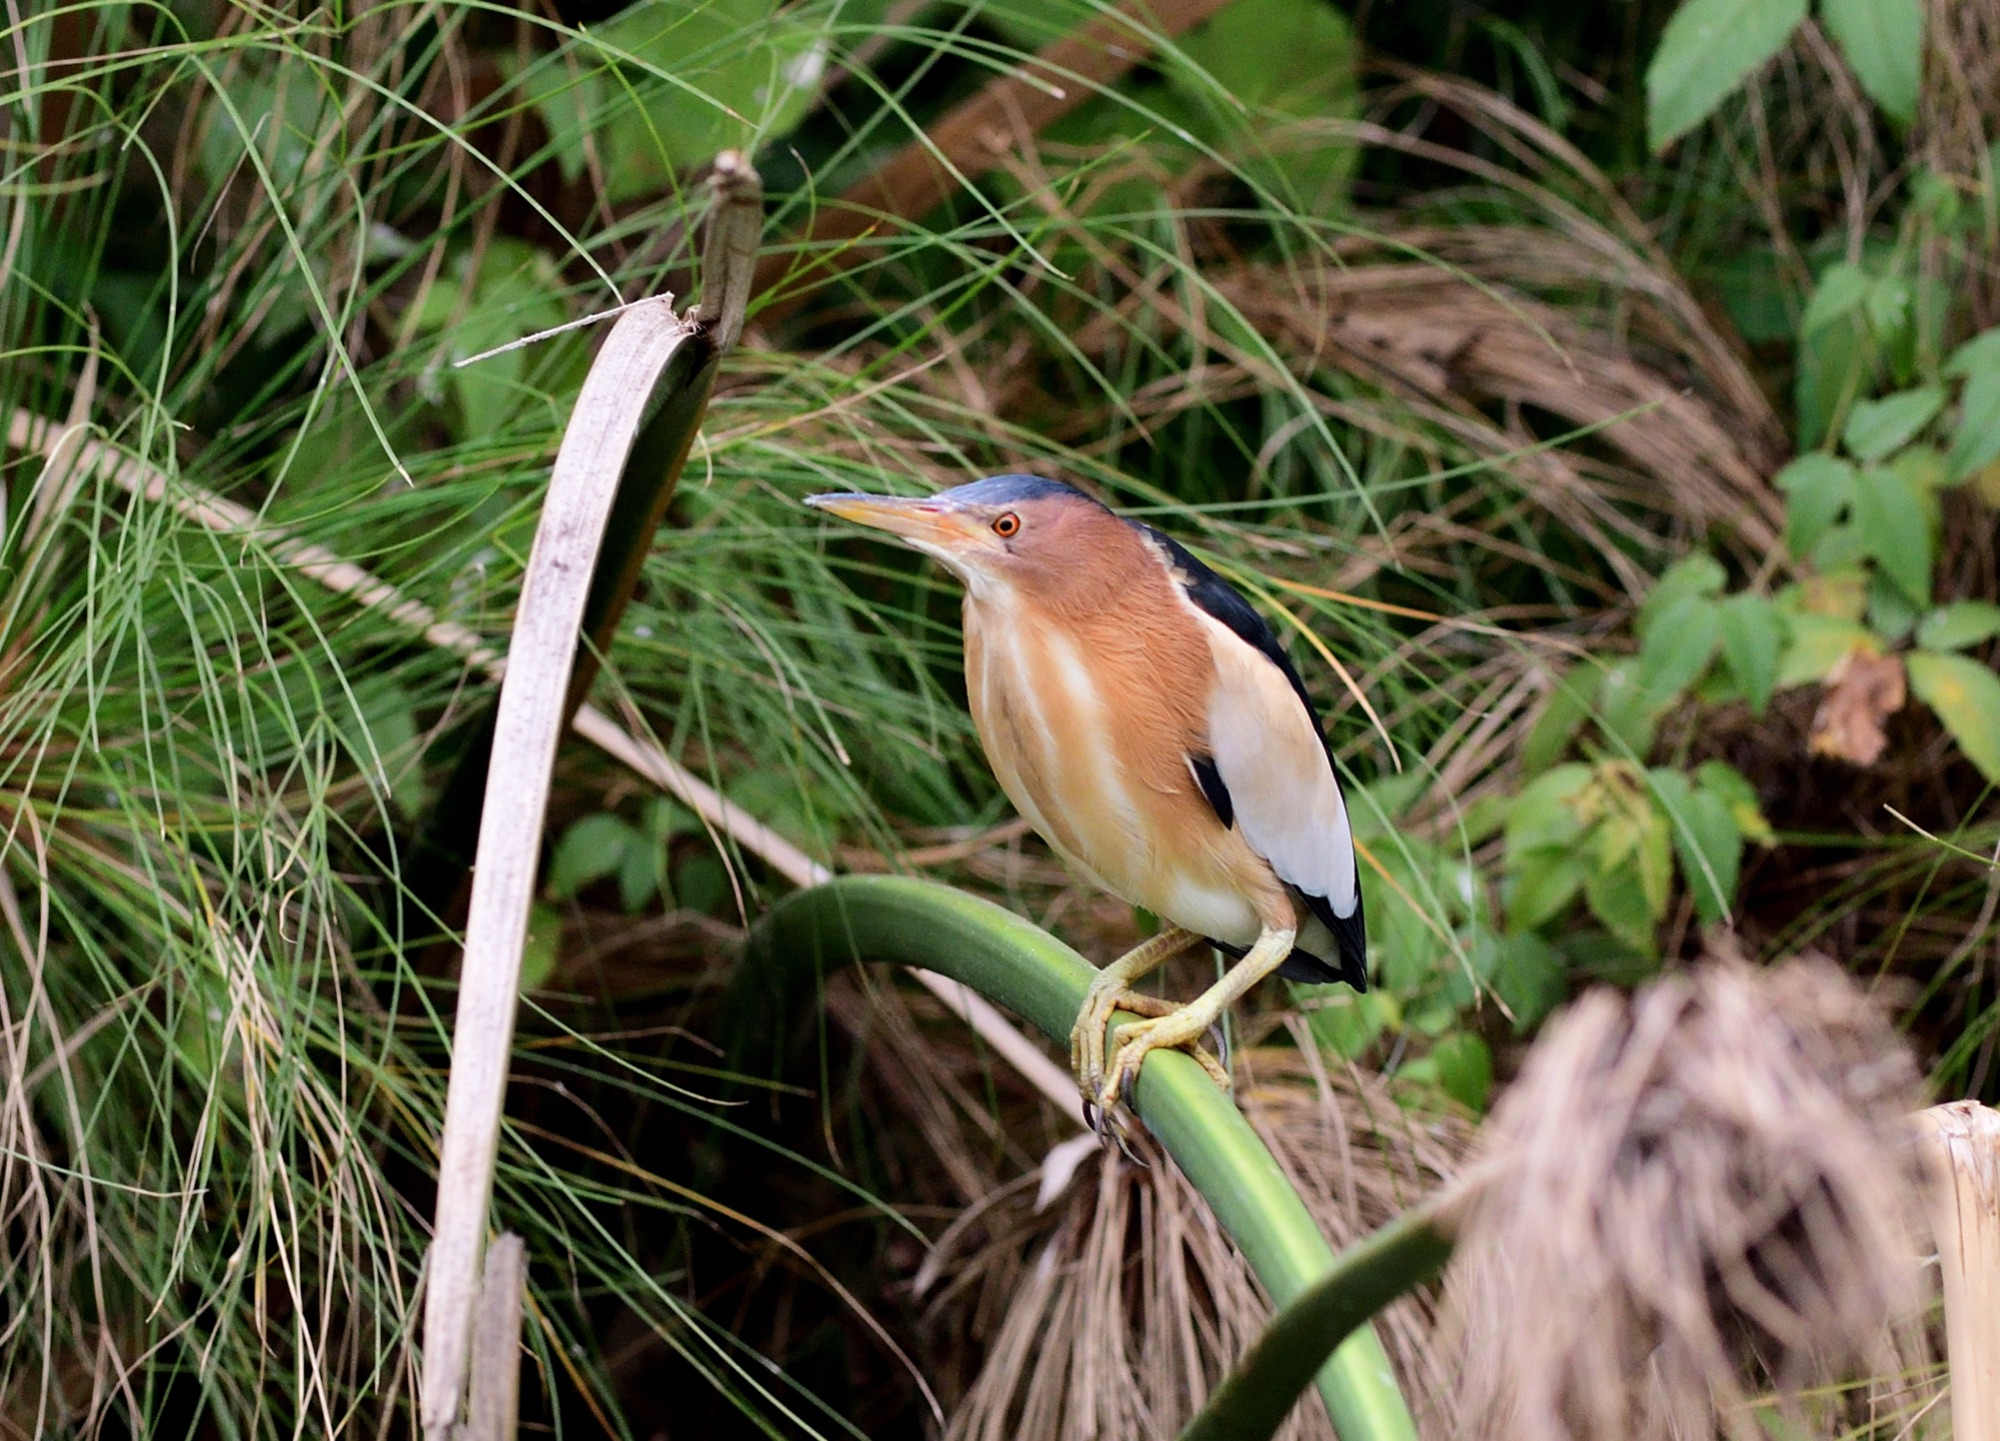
[{"x": 911, "y": 518}]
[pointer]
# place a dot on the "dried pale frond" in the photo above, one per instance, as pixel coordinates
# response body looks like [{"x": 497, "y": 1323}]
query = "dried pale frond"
[
  {"x": 1114, "y": 1312},
  {"x": 1447, "y": 344},
  {"x": 1693, "y": 1193}
]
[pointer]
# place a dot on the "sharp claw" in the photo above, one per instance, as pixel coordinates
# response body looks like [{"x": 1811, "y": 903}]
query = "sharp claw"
[{"x": 1131, "y": 1155}]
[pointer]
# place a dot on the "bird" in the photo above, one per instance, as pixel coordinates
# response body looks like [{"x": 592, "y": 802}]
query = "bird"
[{"x": 1145, "y": 720}]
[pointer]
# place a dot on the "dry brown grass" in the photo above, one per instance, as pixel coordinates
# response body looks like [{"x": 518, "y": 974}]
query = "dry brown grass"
[
  {"x": 1113, "y": 1310},
  {"x": 1958, "y": 113},
  {"x": 1696, "y": 1193}
]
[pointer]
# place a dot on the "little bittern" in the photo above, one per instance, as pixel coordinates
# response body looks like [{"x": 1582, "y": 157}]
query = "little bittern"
[{"x": 1144, "y": 719}]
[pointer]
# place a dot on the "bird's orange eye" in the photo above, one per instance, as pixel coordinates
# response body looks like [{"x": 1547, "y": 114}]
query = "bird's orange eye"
[{"x": 1007, "y": 525}]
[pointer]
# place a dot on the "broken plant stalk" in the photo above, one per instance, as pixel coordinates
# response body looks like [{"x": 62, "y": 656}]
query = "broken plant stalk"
[{"x": 1961, "y": 1143}]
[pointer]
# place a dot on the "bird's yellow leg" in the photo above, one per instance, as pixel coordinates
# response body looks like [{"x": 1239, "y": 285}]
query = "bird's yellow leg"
[
  {"x": 1180, "y": 1027},
  {"x": 1111, "y": 989}
]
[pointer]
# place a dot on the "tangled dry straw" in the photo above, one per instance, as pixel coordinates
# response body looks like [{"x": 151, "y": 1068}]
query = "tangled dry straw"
[
  {"x": 1115, "y": 1310},
  {"x": 1693, "y": 1195}
]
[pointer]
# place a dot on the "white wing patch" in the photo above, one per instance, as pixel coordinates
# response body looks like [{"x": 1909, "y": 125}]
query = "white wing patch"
[{"x": 1269, "y": 754}]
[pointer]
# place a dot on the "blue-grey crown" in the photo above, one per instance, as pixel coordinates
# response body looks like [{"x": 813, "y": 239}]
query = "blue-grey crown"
[{"x": 1011, "y": 490}]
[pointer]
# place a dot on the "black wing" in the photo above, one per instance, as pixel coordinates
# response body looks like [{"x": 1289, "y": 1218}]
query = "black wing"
[{"x": 1218, "y": 598}]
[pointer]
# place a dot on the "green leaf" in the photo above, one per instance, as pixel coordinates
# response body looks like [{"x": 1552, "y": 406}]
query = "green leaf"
[
  {"x": 1981, "y": 353},
  {"x": 1923, "y": 466},
  {"x": 1618, "y": 898},
  {"x": 1883, "y": 41},
  {"x": 542, "y": 946},
  {"x": 1230, "y": 85},
  {"x": 638, "y": 877},
  {"x": 1562, "y": 714},
  {"x": 1877, "y": 427},
  {"x": 1843, "y": 547},
  {"x": 1545, "y": 882},
  {"x": 1296, "y": 59},
  {"x": 1707, "y": 50},
  {"x": 1464, "y": 1069},
  {"x": 1836, "y": 364},
  {"x": 1818, "y": 644},
  {"x": 667, "y": 818},
  {"x": 1695, "y": 574},
  {"x": 1966, "y": 697},
  {"x": 589, "y": 851},
  {"x": 1752, "y": 635},
  {"x": 1958, "y": 625},
  {"x": 1526, "y": 973},
  {"x": 1544, "y": 815},
  {"x": 1349, "y": 1023},
  {"x": 1730, "y": 786},
  {"x": 1891, "y": 614},
  {"x": 569, "y": 102},
  {"x": 1818, "y": 488},
  {"x": 701, "y": 883},
  {"x": 1615, "y": 840},
  {"x": 1709, "y": 844},
  {"x": 1977, "y": 442},
  {"x": 707, "y": 77},
  {"x": 1678, "y": 648},
  {"x": 1893, "y": 518},
  {"x": 1890, "y": 307},
  {"x": 1626, "y": 712},
  {"x": 1410, "y": 951},
  {"x": 1841, "y": 291},
  {"x": 1655, "y": 858},
  {"x": 514, "y": 295},
  {"x": 1759, "y": 294}
]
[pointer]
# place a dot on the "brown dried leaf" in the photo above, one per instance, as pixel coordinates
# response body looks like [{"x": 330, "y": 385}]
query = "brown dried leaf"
[{"x": 1862, "y": 692}]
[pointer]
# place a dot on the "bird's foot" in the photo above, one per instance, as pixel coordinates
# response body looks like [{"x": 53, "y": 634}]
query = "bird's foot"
[
  {"x": 1087, "y": 1041},
  {"x": 1107, "y": 993},
  {"x": 1111, "y": 991},
  {"x": 1179, "y": 1029}
]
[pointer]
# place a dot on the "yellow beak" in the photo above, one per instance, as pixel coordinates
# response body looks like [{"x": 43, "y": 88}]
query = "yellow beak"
[{"x": 923, "y": 522}]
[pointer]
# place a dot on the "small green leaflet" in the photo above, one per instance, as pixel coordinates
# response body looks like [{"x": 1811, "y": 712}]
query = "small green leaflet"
[
  {"x": 1708, "y": 49},
  {"x": 1893, "y": 519},
  {"x": 1464, "y": 1068},
  {"x": 1977, "y": 443},
  {"x": 1877, "y": 427},
  {"x": 1752, "y": 636},
  {"x": 1966, "y": 697},
  {"x": 1958, "y": 625},
  {"x": 1883, "y": 40},
  {"x": 1842, "y": 289},
  {"x": 1818, "y": 488},
  {"x": 1982, "y": 352},
  {"x": 1678, "y": 647}
]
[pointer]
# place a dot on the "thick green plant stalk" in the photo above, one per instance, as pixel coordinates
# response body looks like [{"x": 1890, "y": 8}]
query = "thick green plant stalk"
[
  {"x": 1254, "y": 1401},
  {"x": 1016, "y": 965}
]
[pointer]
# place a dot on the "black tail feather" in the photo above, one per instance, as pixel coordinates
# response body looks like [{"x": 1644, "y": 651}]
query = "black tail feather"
[{"x": 1350, "y": 934}]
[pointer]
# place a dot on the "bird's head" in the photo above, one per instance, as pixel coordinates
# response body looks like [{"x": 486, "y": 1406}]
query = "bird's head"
[{"x": 1007, "y": 530}]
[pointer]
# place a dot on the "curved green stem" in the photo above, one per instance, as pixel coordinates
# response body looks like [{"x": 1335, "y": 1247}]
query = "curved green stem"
[
  {"x": 1260, "y": 1392},
  {"x": 1016, "y": 965}
]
